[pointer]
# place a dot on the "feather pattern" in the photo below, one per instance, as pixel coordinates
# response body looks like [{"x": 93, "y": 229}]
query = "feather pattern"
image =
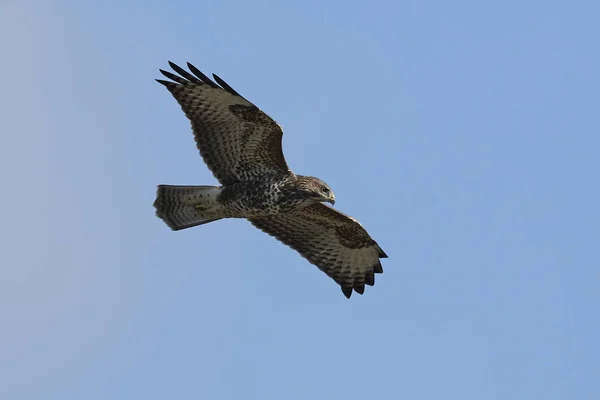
[
  {"x": 334, "y": 242},
  {"x": 241, "y": 145},
  {"x": 237, "y": 140}
]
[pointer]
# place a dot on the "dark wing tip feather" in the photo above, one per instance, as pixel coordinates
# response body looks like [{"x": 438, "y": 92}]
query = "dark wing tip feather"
[
  {"x": 359, "y": 288},
  {"x": 225, "y": 86},
  {"x": 185, "y": 77},
  {"x": 173, "y": 77},
  {"x": 347, "y": 290},
  {"x": 370, "y": 278},
  {"x": 168, "y": 84},
  {"x": 377, "y": 268},
  {"x": 381, "y": 253},
  {"x": 197, "y": 78},
  {"x": 201, "y": 76},
  {"x": 184, "y": 73}
]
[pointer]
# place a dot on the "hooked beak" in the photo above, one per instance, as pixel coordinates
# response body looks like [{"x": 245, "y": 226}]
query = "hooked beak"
[{"x": 332, "y": 201}]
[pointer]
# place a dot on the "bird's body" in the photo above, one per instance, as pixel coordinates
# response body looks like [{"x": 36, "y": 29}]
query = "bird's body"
[
  {"x": 242, "y": 146},
  {"x": 257, "y": 198},
  {"x": 248, "y": 199}
]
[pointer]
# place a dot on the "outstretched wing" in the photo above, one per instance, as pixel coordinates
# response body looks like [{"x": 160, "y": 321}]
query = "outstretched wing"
[
  {"x": 334, "y": 242},
  {"x": 237, "y": 141}
]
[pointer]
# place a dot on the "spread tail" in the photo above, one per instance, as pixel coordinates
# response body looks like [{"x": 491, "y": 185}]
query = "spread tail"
[{"x": 182, "y": 207}]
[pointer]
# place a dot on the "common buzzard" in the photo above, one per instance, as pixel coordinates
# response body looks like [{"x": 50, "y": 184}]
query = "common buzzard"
[{"x": 242, "y": 147}]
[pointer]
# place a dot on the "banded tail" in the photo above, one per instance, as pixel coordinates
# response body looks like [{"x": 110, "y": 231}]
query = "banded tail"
[{"x": 183, "y": 207}]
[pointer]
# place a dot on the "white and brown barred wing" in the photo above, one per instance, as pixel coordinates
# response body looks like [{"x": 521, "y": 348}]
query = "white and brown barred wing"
[
  {"x": 237, "y": 141},
  {"x": 334, "y": 242}
]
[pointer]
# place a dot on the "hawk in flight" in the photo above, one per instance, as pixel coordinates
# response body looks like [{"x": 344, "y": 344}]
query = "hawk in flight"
[{"x": 242, "y": 147}]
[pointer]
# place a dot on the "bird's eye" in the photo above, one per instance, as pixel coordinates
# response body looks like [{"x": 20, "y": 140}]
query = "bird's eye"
[{"x": 324, "y": 189}]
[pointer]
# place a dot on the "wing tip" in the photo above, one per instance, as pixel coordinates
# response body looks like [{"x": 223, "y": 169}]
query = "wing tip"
[
  {"x": 347, "y": 290},
  {"x": 175, "y": 78},
  {"x": 378, "y": 268},
  {"x": 359, "y": 288},
  {"x": 370, "y": 278},
  {"x": 200, "y": 75},
  {"x": 185, "y": 77},
  {"x": 381, "y": 253},
  {"x": 165, "y": 83},
  {"x": 226, "y": 86},
  {"x": 172, "y": 65}
]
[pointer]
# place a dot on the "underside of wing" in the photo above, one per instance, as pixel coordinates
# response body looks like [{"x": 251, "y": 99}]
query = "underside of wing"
[
  {"x": 336, "y": 243},
  {"x": 237, "y": 140}
]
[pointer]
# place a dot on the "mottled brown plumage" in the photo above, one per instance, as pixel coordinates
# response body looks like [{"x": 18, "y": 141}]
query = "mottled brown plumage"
[
  {"x": 237, "y": 141},
  {"x": 334, "y": 242},
  {"x": 242, "y": 147}
]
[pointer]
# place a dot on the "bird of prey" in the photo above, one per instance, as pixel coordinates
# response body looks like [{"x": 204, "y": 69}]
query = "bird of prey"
[{"x": 241, "y": 145}]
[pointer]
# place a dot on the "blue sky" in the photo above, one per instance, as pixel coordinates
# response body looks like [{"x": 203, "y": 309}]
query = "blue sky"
[{"x": 464, "y": 136}]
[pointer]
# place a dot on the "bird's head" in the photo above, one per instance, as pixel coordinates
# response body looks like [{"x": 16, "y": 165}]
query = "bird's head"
[{"x": 316, "y": 189}]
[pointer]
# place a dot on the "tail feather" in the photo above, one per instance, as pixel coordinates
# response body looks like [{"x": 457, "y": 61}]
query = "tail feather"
[{"x": 183, "y": 207}]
